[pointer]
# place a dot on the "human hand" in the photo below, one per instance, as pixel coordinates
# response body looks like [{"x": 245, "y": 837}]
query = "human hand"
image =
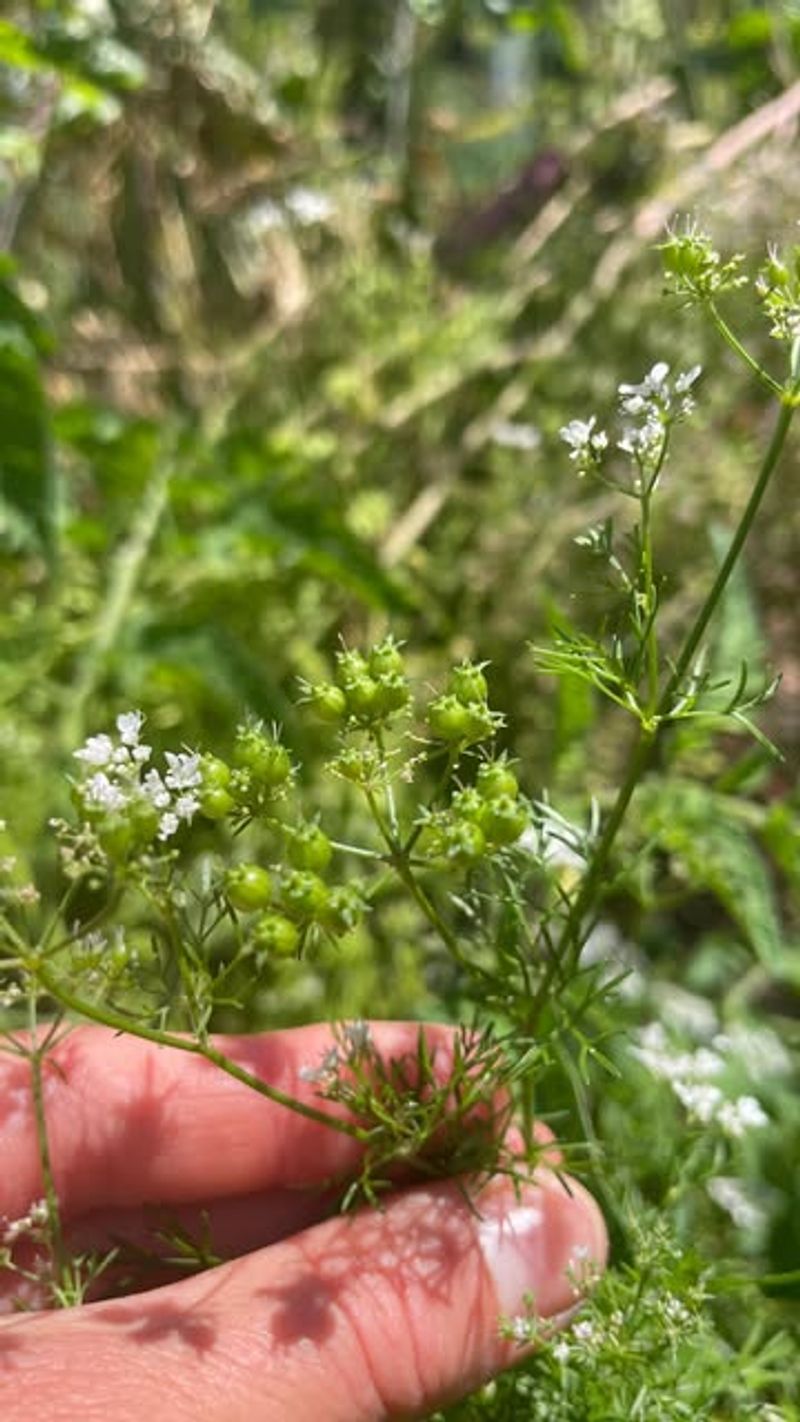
[{"x": 382, "y": 1314}]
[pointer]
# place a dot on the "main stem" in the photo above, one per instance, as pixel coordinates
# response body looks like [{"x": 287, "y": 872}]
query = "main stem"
[
  {"x": 107, "y": 1017},
  {"x": 641, "y": 759}
]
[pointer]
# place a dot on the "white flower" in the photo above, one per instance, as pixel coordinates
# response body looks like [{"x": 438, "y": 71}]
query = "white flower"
[
  {"x": 38, "y": 1213},
  {"x": 585, "y": 445},
  {"x": 155, "y": 790},
  {"x": 103, "y": 793},
  {"x": 129, "y": 725},
  {"x": 633, "y": 399},
  {"x": 645, "y": 442},
  {"x": 183, "y": 770},
  {"x": 168, "y": 825},
  {"x": 186, "y": 806},
  {"x": 701, "y": 1101},
  {"x": 739, "y": 1116},
  {"x": 673, "y": 1310},
  {"x": 686, "y": 380},
  {"x": 98, "y": 750},
  {"x": 520, "y": 1330},
  {"x": 584, "y": 1331},
  {"x": 654, "y": 398},
  {"x": 561, "y": 1351}
]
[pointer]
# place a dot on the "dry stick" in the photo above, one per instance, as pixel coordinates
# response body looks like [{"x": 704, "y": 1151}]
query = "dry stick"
[
  {"x": 556, "y": 212},
  {"x": 407, "y": 406}
]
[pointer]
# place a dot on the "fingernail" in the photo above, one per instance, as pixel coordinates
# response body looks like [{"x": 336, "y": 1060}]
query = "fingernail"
[{"x": 538, "y": 1242}]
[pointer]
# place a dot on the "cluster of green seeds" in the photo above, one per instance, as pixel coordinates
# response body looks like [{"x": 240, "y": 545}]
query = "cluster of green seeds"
[{"x": 480, "y": 819}]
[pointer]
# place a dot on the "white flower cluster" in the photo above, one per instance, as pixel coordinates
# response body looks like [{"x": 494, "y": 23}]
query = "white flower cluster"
[
  {"x": 689, "y": 1074},
  {"x": 118, "y": 777},
  {"x": 586, "y": 445},
  {"x": 29, "y": 1225},
  {"x": 650, "y": 408}
]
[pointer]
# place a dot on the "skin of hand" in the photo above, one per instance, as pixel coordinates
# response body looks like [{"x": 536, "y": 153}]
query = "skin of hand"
[{"x": 382, "y": 1314}]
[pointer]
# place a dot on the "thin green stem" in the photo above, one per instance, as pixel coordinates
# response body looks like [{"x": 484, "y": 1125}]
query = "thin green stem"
[
  {"x": 689, "y": 649},
  {"x": 399, "y": 860},
  {"x": 438, "y": 789},
  {"x": 648, "y": 596},
  {"x": 732, "y": 340},
  {"x": 387, "y": 787},
  {"x": 35, "y": 1055},
  {"x": 109, "y": 1017}
]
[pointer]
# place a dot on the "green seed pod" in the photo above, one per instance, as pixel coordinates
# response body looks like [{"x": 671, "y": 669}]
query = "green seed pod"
[
  {"x": 304, "y": 894},
  {"x": 467, "y": 805},
  {"x": 448, "y": 719},
  {"x": 393, "y": 694},
  {"x": 385, "y": 659},
  {"x": 468, "y": 684},
  {"x": 216, "y": 803},
  {"x": 503, "y": 820},
  {"x": 359, "y": 765},
  {"x": 248, "y": 887},
  {"x": 215, "y": 772},
  {"x": 309, "y": 848},
  {"x": 268, "y": 762},
  {"x": 482, "y": 722},
  {"x": 277, "y": 935},
  {"x": 350, "y": 666},
  {"x": 495, "y": 779},
  {"x": 328, "y": 702},
  {"x": 363, "y": 695},
  {"x": 463, "y": 844},
  {"x": 344, "y": 909}
]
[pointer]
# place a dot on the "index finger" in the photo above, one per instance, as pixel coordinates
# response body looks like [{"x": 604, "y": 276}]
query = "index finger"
[{"x": 130, "y": 1122}]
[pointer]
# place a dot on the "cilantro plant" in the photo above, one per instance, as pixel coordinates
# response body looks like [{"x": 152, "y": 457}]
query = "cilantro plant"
[{"x": 191, "y": 882}]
